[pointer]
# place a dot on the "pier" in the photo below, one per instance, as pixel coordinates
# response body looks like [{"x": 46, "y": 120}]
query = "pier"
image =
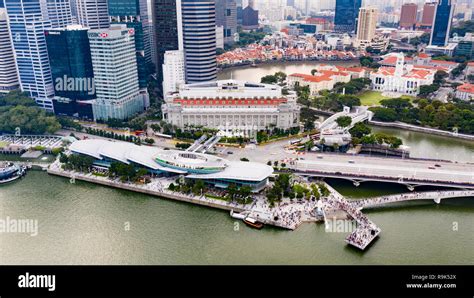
[{"x": 366, "y": 230}]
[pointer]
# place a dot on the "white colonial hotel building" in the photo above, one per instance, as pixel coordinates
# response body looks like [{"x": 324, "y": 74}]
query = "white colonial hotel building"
[{"x": 234, "y": 107}]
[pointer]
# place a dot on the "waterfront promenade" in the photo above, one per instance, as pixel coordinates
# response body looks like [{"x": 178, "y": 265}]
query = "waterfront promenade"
[{"x": 287, "y": 214}]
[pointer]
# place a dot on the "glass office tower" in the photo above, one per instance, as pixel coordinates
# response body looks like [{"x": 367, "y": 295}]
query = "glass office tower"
[
  {"x": 71, "y": 69},
  {"x": 442, "y": 23},
  {"x": 347, "y": 12}
]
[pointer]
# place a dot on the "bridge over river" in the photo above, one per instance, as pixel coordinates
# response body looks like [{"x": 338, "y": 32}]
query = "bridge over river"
[
  {"x": 436, "y": 196},
  {"x": 410, "y": 172}
]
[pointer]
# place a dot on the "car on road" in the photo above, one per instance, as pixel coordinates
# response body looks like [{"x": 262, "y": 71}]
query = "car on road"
[
  {"x": 230, "y": 152},
  {"x": 432, "y": 168}
]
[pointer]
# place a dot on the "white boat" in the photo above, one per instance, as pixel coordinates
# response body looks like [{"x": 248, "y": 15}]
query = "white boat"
[
  {"x": 253, "y": 223},
  {"x": 237, "y": 215}
]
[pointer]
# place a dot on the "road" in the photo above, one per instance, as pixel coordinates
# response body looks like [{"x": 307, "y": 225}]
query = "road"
[{"x": 388, "y": 167}]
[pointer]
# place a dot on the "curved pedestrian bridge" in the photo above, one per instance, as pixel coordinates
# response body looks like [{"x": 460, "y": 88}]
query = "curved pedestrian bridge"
[{"x": 436, "y": 196}]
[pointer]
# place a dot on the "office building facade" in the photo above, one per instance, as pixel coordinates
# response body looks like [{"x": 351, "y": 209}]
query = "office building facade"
[
  {"x": 59, "y": 13},
  {"x": 345, "y": 19},
  {"x": 92, "y": 13},
  {"x": 249, "y": 18},
  {"x": 27, "y": 25},
  {"x": 173, "y": 71},
  {"x": 199, "y": 40},
  {"x": 367, "y": 22},
  {"x": 134, "y": 14},
  {"x": 226, "y": 16},
  {"x": 428, "y": 14},
  {"x": 71, "y": 70},
  {"x": 442, "y": 23},
  {"x": 408, "y": 15},
  {"x": 167, "y": 33},
  {"x": 8, "y": 74},
  {"x": 115, "y": 73}
]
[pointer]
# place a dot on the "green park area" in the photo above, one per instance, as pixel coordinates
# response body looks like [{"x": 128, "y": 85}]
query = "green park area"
[{"x": 373, "y": 98}]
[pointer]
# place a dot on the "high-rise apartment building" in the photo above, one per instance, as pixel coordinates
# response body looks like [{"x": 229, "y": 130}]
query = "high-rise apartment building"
[
  {"x": 71, "y": 69},
  {"x": 115, "y": 73},
  {"x": 92, "y": 13},
  {"x": 226, "y": 16},
  {"x": 199, "y": 40},
  {"x": 27, "y": 19},
  {"x": 408, "y": 15},
  {"x": 442, "y": 23},
  {"x": 345, "y": 19},
  {"x": 8, "y": 74}
]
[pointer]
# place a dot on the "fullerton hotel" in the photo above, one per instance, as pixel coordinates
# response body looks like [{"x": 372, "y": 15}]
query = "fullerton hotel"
[{"x": 233, "y": 107}]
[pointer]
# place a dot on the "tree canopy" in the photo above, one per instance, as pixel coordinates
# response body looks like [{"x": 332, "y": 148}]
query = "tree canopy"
[{"x": 17, "y": 110}]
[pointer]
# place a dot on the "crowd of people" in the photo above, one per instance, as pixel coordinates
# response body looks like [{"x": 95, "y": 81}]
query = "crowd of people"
[{"x": 366, "y": 230}]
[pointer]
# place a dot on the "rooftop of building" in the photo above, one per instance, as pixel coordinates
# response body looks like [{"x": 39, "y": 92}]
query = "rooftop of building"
[
  {"x": 411, "y": 73},
  {"x": 320, "y": 76},
  {"x": 147, "y": 156},
  {"x": 469, "y": 88}
]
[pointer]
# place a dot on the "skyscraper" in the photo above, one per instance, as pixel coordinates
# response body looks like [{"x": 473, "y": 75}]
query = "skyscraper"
[
  {"x": 442, "y": 23},
  {"x": 27, "y": 26},
  {"x": 408, "y": 15},
  {"x": 249, "y": 18},
  {"x": 199, "y": 40},
  {"x": 115, "y": 73},
  {"x": 134, "y": 14},
  {"x": 367, "y": 22},
  {"x": 347, "y": 11},
  {"x": 428, "y": 14},
  {"x": 71, "y": 69},
  {"x": 168, "y": 31},
  {"x": 8, "y": 75},
  {"x": 226, "y": 16},
  {"x": 173, "y": 71},
  {"x": 92, "y": 13},
  {"x": 59, "y": 13}
]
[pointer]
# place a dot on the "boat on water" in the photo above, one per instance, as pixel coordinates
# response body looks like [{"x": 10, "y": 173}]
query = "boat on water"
[
  {"x": 253, "y": 223},
  {"x": 237, "y": 215},
  {"x": 10, "y": 172}
]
